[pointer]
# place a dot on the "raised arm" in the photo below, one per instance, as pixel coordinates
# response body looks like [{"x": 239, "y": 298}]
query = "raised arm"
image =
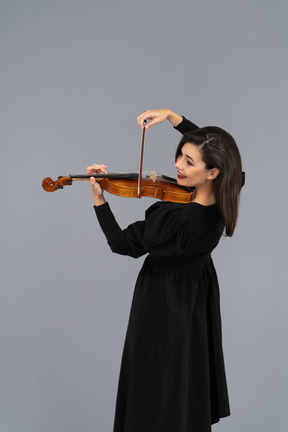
[{"x": 158, "y": 116}]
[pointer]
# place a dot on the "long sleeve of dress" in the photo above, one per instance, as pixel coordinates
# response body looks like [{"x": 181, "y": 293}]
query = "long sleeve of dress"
[
  {"x": 186, "y": 126},
  {"x": 164, "y": 231},
  {"x": 124, "y": 242}
]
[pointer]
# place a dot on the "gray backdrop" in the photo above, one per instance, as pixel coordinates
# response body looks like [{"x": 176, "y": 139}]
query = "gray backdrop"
[{"x": 74, "y": 76}]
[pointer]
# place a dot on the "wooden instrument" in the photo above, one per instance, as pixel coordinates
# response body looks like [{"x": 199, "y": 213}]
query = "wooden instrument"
[
  {"x": 152, "y": 185},
  {"x": 131, "y": 185}
]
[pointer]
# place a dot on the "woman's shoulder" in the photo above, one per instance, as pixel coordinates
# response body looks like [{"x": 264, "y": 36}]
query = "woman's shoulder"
[
  {"x": 165, "y": 210},
  {"x": 163, "y": 206},
  {"x": 193, "y": 219},
  {"x": 191, "y": 210}
]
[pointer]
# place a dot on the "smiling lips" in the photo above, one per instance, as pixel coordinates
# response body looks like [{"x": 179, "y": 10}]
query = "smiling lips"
[{"x": 180, "y": 176}]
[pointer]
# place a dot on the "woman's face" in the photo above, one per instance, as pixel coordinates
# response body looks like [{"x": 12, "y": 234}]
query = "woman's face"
[{"x": 191, "y": 170}]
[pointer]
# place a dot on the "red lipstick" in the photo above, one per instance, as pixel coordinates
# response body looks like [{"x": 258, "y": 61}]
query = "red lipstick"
[{"x": 180, "y": 176}]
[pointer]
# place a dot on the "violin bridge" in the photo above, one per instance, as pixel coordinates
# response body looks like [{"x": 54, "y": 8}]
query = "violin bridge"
[{"x": 153, "y": 176}]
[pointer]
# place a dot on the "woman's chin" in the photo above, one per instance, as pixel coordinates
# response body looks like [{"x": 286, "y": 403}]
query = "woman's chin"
[{"x": 183, "y": 182}]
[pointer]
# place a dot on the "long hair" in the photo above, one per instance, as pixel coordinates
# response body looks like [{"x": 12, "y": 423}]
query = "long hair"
[{"x": 219, "y": 150}]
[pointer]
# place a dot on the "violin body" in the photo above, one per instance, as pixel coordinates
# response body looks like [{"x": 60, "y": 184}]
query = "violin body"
[
  {"x": 158, "y": 189},
  {"x": 126, "y": 185}
]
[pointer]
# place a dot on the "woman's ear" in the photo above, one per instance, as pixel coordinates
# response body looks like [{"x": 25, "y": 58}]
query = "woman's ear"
[{"x": 213, "y": 173}]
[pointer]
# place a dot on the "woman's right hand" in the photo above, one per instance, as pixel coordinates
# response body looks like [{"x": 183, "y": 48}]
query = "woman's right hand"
[
  {"x": 95, "y": 186},
  {"x": 158, "y": 116}
]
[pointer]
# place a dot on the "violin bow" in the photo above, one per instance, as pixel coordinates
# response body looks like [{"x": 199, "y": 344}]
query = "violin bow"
[{"x": 141, "y": 161}]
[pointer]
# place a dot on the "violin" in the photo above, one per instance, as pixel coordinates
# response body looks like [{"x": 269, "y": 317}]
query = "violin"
[
  {"x": 152, "y": 185},
  {"x": 131, "y": 185}
]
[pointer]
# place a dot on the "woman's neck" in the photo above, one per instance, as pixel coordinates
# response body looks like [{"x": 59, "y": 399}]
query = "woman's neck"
[{"x": 205, "y": 197}]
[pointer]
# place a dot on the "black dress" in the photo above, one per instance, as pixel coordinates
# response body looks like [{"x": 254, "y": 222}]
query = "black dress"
[{"x": 172, "y": 375}]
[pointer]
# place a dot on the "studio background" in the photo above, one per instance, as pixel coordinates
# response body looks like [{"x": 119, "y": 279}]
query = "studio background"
[{"x": 74, "y": 77}]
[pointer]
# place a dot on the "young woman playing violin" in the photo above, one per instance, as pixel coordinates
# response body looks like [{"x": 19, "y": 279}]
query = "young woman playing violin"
[{"x": 172, "y": 375}]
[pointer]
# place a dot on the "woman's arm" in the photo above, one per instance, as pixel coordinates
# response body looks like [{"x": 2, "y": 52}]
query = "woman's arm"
[
  {"x": 158, "y": 116},
  {"x": 186, "y": 126}
]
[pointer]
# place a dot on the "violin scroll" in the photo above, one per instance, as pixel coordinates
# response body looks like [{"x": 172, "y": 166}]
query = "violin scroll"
[{"x": 50, "y": 186}]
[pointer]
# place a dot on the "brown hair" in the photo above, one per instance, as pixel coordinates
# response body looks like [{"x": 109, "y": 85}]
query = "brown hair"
[{"x": 219, "y": 150}]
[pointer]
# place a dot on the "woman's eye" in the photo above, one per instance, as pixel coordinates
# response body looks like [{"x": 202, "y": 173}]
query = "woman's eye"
[{"x": 189, "y": 163}]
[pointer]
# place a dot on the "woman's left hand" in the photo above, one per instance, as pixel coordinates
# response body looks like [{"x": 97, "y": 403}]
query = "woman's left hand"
[{"x": 95, "y": 186}]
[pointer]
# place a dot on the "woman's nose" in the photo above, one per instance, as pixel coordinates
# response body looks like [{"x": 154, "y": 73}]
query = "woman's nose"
[{"x": 178, "y": 164}]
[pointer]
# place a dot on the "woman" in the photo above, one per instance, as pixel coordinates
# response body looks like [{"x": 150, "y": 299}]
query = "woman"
[{"x": 172, "y": 375}]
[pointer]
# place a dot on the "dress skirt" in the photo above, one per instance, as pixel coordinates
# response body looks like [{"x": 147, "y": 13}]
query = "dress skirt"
[{"x": 172, "y": 375}]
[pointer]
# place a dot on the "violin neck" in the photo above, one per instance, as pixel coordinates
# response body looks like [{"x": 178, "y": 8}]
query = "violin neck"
[
  {"x": 129, "y": 176},
  {"x": 153, "y": 176}
]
